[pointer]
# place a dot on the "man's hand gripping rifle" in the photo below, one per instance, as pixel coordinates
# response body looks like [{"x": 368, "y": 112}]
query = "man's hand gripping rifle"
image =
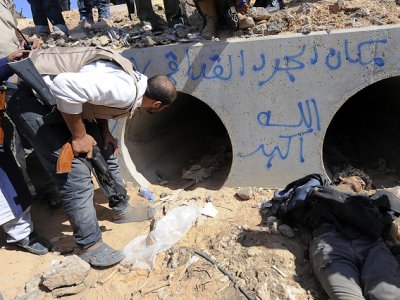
[{"x": 31, "y": 77}]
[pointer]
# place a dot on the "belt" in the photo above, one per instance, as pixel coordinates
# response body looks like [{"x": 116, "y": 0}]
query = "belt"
[{"x": 324, "y": 228}]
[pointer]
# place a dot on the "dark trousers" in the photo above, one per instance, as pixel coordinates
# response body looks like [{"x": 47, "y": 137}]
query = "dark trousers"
[
  {"x": 47, "y": 9},
  {"x": 354, "y": 269},
  {"x": 76, "y": 188},
  {"x": 146, "y": 12},
  {"x": 41, "y": 180}
]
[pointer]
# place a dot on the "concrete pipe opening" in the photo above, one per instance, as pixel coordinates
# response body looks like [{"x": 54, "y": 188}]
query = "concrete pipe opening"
[
  {"x": 363, "y": 137},
  {"x": 180, "y": 145}
]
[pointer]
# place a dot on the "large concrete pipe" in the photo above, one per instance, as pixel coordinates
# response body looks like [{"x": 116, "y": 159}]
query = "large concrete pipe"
[{"x": 267, "y": 101}]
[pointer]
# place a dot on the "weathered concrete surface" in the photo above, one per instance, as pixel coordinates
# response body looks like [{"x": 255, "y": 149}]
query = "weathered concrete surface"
[{"x": 276, "y": 96}]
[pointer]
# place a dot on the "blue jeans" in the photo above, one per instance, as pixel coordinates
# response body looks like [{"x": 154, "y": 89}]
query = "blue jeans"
[
  {"x": 76, "y": 188},
  {"x": 354, "y": 269},
  {"x": 86, "y": 6},
  {"x": 47, "y": 9}
]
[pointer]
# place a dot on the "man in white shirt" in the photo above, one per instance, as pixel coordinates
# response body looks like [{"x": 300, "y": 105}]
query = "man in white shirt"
[{"x": 101, "y": 89}]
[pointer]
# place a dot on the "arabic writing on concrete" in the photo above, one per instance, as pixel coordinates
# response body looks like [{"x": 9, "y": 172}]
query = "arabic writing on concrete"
[
  {"x": 308, "y": 123},
  {"x": 228, "y": 66}
]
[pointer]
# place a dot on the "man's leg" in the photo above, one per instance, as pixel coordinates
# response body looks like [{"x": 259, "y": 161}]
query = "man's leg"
[
  {"x": 39, "y": 17},
  {"x": 85, "y": 10},
  {"x": 173, "y": 12},
  {"x": 53, "y": 12},
  {"x": 76, "y": 188},
  {"x": 333, "y": 260},
  {"x": 148, "y": 17},
  {"x": 15, "y": 201},
  {"x": 103, "y": 8},
  {"x": 380, "y": 274},
  {"x": 44, "y": 186},
  {"x": 123, "y": 211}
]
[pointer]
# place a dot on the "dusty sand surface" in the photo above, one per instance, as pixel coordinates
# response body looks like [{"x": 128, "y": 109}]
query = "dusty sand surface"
[{"x": 267, "y": 264}]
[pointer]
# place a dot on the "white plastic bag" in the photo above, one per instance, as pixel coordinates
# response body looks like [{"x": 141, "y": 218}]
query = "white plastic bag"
[{"x": 142, "y": 251}]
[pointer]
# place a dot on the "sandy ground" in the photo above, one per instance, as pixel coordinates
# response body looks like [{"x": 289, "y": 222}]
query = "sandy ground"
[{"x": 267, "y": 264}]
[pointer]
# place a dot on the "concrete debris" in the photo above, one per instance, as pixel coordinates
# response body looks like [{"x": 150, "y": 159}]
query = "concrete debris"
[
  {"x": 209, "y": 210},
  {"x": 286, "y": 230},
  {"x": 104, "y": 40},
  {"x": 68, "y": 291},
  {"x": 305, "y": 8},
  {"x": 305, "y": 29},
  {"x": 275, "y": 28},
  {"x": 32, "y": 295},
  {"x": 68, "y": 271},
  {"x": 245, "y": 193},
  {"x": 259, "y": 13},
  {"x": 149, "y": 42},
  {"x": 33, "y": 283}
]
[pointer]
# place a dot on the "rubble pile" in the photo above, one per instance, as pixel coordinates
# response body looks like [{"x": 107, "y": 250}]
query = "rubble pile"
[{"x": 298, "y": 17}]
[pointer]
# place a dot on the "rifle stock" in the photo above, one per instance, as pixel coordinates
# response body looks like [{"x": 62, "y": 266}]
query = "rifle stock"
[{"x": 64, "y": 161}]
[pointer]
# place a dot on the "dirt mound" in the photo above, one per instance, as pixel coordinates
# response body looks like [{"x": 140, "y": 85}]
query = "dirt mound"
[{"x": 298, "y": 17}]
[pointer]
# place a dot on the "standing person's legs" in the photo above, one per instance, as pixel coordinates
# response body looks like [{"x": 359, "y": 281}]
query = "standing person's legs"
[
  {"x": 76, "y": 187},
  {"x": 148, "y": 17},
  {"x": 173, "y": 12},
  {"x": 85, "y": 10},
  {"x": 15, "y": 201},
  {"x": 380, "y": 274},
  {"x": 103, "y": 8},
  {"x": 39, "y": 17},
  {"x": 118, "y": 198},
  {"x": 52, "y": 9},
  {"x": 334, "y": 263}
]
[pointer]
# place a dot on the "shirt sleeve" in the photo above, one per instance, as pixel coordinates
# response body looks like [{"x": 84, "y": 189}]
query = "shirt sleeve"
[
  {"x": 5, "y": 70},
  {"x": 114, "y": 88}
]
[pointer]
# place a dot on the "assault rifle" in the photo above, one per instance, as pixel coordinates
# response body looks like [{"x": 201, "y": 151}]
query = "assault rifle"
[
  {"x": 29, "y": 74},
  {"x": 3, "y": 89}
]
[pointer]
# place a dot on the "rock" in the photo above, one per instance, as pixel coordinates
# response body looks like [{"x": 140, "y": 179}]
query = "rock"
[
  {"x": 245, "y": 193},
  {"x": 260, "y": 28},
  {"x": 148, "y": 41},
  {"x": 337, "y": 6},
  {"x": 305, "y": 8},
  {"x": 104, "y": 40},
  {"x": 32, "y": 295},
  {"x": 254, "y": 251},
  {"x": 78, "y": 36},
  {"x": 362, "y": 12},
  {"x": 286, "y": 230},
  {"x": 69, "y": 290},
  {"x": 305, "y": 29},
  {"x": 181, "y": 31},
  {"x": 258, "y": 13},
  {"x": 209, "y": 199},
  {"x": 70, "y": 270},
  {"x": 60, "y": 43},
  {"x": 353, "y": 23},
  {"x": 275, "y": 28},
  {"x": 33, "y": 283}
]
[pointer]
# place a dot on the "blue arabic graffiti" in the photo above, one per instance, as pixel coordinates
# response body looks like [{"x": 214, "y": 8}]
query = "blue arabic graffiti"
[
  {"x": 308, "y": 123},
  {"x": 226, "y": 67}
]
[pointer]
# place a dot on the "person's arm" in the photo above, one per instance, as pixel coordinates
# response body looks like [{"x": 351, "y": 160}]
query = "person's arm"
[
  {"x": 107, "y": 136},
  {"x": 81, "y": 141},
  {"x": 36, "y": 43},
  {"x": 98, "y": 85},
  {"x": 5, "y": 70}
]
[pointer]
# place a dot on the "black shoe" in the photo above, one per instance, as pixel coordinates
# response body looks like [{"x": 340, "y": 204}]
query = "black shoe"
[
  {"x": 35, "y": 244},
  {"x": 176, "y": 22},
  {"x": 156, "y": 24}
]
